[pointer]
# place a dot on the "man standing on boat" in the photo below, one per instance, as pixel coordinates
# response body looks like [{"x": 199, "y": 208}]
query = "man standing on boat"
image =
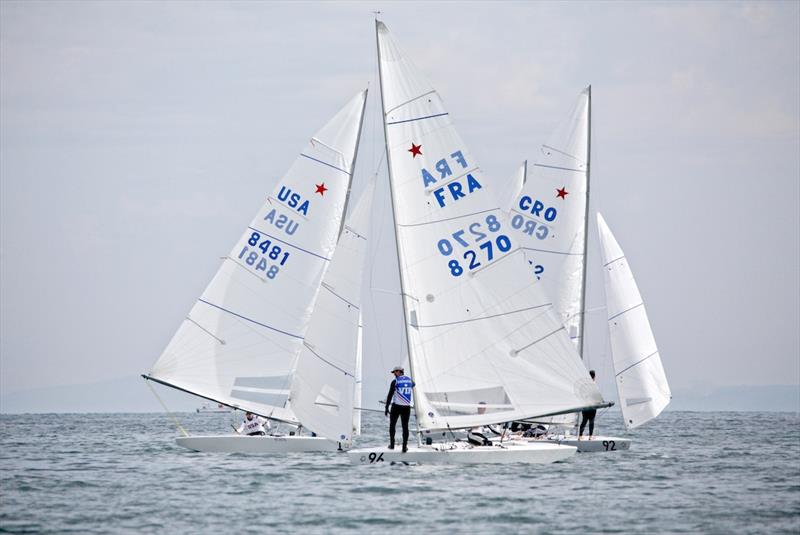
[
  {"x": 400, "y": 399},
  {"x": 253, "y": 425},
  {"x": 588, "y": 416}
]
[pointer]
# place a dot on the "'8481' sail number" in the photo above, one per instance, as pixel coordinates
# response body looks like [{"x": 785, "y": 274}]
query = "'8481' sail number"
[{"x": 261, "y": 255}]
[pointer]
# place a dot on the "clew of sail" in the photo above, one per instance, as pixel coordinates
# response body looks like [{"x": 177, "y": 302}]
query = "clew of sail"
[
  {"x": 641, "y": 382},
  {"x": 239, "y": 343},
  {"x": 481, "y": 332},
  {"x": 549, "y": 214},
  {"x": 328, "y": 368}
]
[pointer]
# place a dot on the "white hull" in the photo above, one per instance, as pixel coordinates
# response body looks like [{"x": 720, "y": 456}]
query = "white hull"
[
  {"x": 256, "y": 444},
  {"x": 460, "y": 453},
  {"x": 597, "y": 444}
]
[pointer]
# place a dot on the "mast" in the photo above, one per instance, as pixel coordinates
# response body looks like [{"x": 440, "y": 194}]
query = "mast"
[
  {"x": 353, "y": 166},
  {"x": 394, "y": 220},
  {"x": 586, "y": 224}
]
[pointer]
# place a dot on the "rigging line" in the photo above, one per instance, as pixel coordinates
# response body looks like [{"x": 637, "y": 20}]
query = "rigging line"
[
  {"x": 325, "y": 163},
  {"x": 559, "y": 168},
  {"x": 447, "y": 218},
  {"x": 174, "y": 419},
  {"x": 418, "y": 118},
  {"x": 329, "y": 363},
  {"x": 485, "y": 317},
  {"x": 612, "y": 261},
  {"x": 624, "y": 311},
  {"x": 330, "y": 289},
  {"x": 250, "y": 320},
  {"x": 637, "y": 363},
  {"x": 220, "y": 340},
  {"x": 289, "y": 244}
]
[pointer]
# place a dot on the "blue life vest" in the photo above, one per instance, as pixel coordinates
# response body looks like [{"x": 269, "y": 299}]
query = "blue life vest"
[{"x": 402, "y": 391}]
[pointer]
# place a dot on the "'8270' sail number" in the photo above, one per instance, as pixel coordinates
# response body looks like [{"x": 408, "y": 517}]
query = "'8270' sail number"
[
  {"x": 257, "y": 252},
  {"x": 486, "y": 243}
]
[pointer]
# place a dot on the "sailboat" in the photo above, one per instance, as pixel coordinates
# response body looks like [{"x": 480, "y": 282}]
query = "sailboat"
[
  {"x": 640, "y": 378},
  {"x": 484, "y": 344},
  {"x": 259, "y": 328},
  {"x": 549, "y": 212}
]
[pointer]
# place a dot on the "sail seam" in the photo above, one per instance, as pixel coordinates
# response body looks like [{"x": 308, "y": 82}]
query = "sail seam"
[
  {"x": 612, "y": 261},
  {"x": 484, "y": 317},
  {"x": 289, "y": 244},
  {"x": 637, "y": 363},
  {"x": 447, "y": 219},
  {"x": 249, "y": 319},
  {"x": 326, "y": 163},
  {"x": 560, "y": 168},
  {"x": 418, "y": 119},
  {"x": 624, "y": 311},
  {"x": 326, "y": 361},
  {"x": 220, "y": 340},
  {"x": 356, "y": 234},
  {"x": 409, "y": 101}
]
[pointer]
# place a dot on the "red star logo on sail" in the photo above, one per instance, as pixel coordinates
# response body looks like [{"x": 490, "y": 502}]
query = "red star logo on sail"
[
  {"x": 321, "y": 189},
  {"x": 415, "y": 150},
  {"x": 562, "y": 192}
]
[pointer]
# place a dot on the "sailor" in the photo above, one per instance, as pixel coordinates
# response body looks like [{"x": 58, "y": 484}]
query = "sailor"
[
  {"x": 400, "y": 399},
  {"x": 476, "y": 436},
  {"x": 253, "y": 425},
  {"x": 588, "y": 416}
]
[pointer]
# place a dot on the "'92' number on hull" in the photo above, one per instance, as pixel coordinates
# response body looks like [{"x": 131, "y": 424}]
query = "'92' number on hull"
[{"x": 256, "y": 257}]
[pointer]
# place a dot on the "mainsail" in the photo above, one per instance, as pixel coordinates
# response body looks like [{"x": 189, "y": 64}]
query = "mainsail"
[
  {"x": 641, "y": 382},
  {"x": 240, "y": 341},
  {"x": 549, "y": 216},
  {"x": 328, "y": 368},
  {"x": 481, "y": 332}
]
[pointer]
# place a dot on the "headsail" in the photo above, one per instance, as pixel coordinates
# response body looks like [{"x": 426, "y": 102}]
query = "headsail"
[
  {"x": 641, "y": 382},
  {"x": 549, "y": 216},
  {"x": 481, "y": 332},
  {"x": 240, "y": 341},
  {"x": 324, "y": 385}
]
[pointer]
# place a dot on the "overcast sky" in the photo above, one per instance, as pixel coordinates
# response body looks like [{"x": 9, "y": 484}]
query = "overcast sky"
[{"x": 137, "y": 139}]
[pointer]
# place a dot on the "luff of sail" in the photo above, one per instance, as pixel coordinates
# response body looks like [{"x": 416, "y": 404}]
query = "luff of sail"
[
  {"x": 481, "y": 333},
  {"x": 240, "y": 341},
  {"x": 641, "y": 381},
  {"x": 324, "y": 385},
  {"x": 549, "y": 214}
]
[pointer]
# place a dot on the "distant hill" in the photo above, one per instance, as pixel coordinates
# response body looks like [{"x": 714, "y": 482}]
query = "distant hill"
[{"x": 131, "y": 394}]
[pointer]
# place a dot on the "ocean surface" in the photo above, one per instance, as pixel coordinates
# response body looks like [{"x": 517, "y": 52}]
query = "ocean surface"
[{"x": 723, "y": 472}]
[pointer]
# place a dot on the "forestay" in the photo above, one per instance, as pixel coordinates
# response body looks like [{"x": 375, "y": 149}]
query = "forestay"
[
  {"x": 240, "y": 341},
  {"x": 481, "y": 332},
  {"x": 641, "y": 382},
  {"x": 325, "y": 381},
  {"x": 548, "y": 216}
]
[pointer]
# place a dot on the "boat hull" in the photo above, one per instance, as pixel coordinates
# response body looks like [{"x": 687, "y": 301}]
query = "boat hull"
[
  {"x": 597, "y": 444},
  {"x": 256, "y": 444},
  {"x": 525, "y": 453}
]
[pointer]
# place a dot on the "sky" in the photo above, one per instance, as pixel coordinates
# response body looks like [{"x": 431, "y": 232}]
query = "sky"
[{"x": 137, "y": 139}]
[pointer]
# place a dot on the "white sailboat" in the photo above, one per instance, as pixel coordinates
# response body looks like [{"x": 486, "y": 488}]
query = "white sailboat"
[
  {"x": 246, "y": 340},
  {"x": 481, "y": 333},
  {"x": 641, "y": 381},
  {"x": 550, "y": 215}
]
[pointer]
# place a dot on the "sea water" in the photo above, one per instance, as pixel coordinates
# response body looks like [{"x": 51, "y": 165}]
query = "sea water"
[{"x": 721, "y": 472}]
